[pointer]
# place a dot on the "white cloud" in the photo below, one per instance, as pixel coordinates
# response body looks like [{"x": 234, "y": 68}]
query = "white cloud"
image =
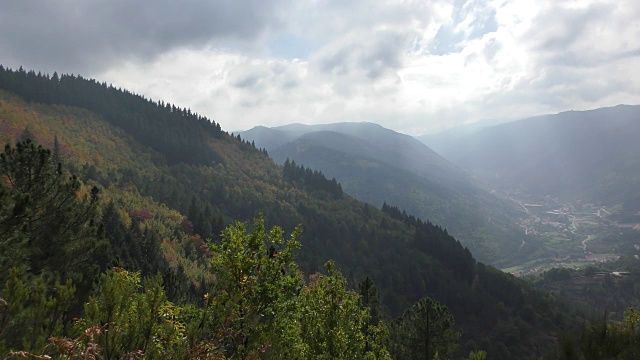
[{"x": 413, "y": 66}]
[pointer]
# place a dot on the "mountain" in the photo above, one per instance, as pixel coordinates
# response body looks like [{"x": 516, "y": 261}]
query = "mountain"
[
  {"x": 577, "y": 155},
  {"x": 364, "y": 140},
  {"x": 268, "y": 138},
  {"x": 379, "y": 166},
  {"x": 168, "y": 181}
]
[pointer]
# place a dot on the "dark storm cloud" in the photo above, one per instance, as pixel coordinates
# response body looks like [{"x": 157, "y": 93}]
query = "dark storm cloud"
[{"x": 81, "y": 35}]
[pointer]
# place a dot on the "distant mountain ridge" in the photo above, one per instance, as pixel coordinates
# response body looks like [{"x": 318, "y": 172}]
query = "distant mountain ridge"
[
  {"x": 389, "y": 146},
  {"x": 378, "y": 165},
  {"x": 589, "y": 155}
]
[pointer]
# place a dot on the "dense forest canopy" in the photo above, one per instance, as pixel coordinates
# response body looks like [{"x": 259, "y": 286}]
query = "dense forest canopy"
[
  {"x": 146, "y": 257},
  {"x": 377, "y": 166}
]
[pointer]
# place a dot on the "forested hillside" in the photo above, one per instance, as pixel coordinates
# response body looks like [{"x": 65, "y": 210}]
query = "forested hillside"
[
  {"x": 378, "y": 166},
  {"x": 153, "y": 188}
]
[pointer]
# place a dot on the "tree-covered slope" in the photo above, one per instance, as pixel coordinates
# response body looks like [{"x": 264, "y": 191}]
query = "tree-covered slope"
[
  {"x": 161, "y": 207},
  {"x": 587, "y": 155},
  {"x": 378, "y": 166}
]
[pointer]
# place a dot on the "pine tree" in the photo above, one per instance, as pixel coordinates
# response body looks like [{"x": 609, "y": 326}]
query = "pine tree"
[
  {"x": 27, "y": 134},
  {"x": 370, "y": 299},
  {"x": 60, "y": 232},
  {"x": 424, "y": 331},
  {"x": 56, "y": 157}
]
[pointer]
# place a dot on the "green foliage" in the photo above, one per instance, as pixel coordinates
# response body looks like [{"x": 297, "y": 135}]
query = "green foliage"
[
  {"x": 332, "y": 319},
  {"x": 424, "y": 331},
  {"x": 32, "y": 309},
  {"x": 260, "y": 307},
  {"x": 478, "y": 355},
  {"x": 371, "y": 302},
  {"x": 148, "y": 189},
  {"x": 13, "y": 213},
  {"x": 82, "y": 347},
  {"x": 602, "y": 340},
  {"x": 257, "y": 280},
  {"x": 557, "y": 274},
  {"x": 134, "y": 113},
  {"x": 611, "y": 287},
  {"x": 311, "y": 180},
  {"x": 376, "y": 165},
  {"x": 50, "y": 222},
  {"x": 134, "y": 315},
  {"x": 50, "y": 244}
]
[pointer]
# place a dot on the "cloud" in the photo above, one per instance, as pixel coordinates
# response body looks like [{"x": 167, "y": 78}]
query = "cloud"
[
  {"x": 469, "y": 20},
  {"x": 414, "y": 66},
  {"x": 586, "y": 35},
  {"x": 79, "y": 35},
  {"x": 578, "y": 55},
  {"x": 367, "y": 54}
]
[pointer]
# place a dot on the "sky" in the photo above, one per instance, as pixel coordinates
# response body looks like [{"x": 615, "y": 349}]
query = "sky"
[{"x": 416, "y": 67}]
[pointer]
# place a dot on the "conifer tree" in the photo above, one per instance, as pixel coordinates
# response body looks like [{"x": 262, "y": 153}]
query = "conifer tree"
[
  {"x": 424, "y": 331},
  {"x": 27, "y": 134},
  {"x": 56, "y": 157},
  {"x": 60, "y": 232}
]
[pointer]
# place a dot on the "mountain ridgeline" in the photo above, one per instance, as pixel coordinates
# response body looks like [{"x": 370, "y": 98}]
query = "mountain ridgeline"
[
  {"x": 378, "y": 166},
  {"x": 577, "y": 155},
  {"x": 178, "y": 143},
  {"x": 170, "y": 185}
]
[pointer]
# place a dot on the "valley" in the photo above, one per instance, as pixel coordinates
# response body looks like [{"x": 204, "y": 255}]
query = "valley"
[
  {"x": 572, "y": 175},
  {"x": 379, "y": 166},
  {"x": 167, "y": 203},
  {"x": 560, "y": 233},
  {"x": 345, "y": 180}
]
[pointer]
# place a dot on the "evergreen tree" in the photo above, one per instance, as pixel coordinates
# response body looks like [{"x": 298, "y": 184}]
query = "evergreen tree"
[
  {"x": 48, "y": 236},
  {"x": 13, "y": 214},
  {"x": 425, "y": 331},
  {"x": 370, "y": 299},
  {"x": 27, "y": 134},
  {"x": 56, "y": 157},
  {"x": 57, "y": 224}
]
